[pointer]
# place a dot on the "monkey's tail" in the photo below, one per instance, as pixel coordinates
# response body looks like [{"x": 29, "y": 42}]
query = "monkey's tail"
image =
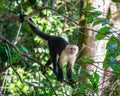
[{"x": 39, "y": 32}]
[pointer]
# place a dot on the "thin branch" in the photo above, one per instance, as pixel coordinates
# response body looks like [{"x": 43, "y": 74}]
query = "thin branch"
[
  {"x": 10, "y": 61},
  {"x": 5, "y": 68},
  {"x": 50, "y": 85},
  {"x": 4, "y": 81},
  {"x": 17, "y": 50},
  {"x": 9, "y": 16},
  {"x": 25, "y": 55},
  {"x": 39, "y": 9},
  {"x": 15, "y": 17},
  {"x": 114, "y": 86},
  {"x": 17, "y": 36}
]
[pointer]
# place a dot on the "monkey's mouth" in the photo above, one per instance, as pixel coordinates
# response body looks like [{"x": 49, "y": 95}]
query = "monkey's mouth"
[{"x": 72, "y": 52}]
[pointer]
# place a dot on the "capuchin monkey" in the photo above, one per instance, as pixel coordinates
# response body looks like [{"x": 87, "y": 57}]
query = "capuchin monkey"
[{"x": 57, "y": 46}]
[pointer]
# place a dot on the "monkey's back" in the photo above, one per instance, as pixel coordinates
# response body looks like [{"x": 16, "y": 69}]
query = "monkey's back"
[{"x": 57, "y": 44}]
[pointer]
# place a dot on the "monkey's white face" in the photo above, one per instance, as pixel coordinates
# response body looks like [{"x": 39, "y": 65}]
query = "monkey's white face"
[
  {"x": 69, "y": 54},
  {"x": 71, "y": 49}
]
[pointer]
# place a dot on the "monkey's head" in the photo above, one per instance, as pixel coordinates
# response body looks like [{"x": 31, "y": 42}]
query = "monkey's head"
[{"x": 71, "y": 49}]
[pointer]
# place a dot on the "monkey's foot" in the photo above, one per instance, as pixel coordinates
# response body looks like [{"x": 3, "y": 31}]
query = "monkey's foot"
[
  {"x": 71, "y": 81},
  {"x": 61, "y": 80}
]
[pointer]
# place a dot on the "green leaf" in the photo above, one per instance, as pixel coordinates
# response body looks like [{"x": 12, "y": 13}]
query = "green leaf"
[
  {"x": 14, "y": 55},
  {"x": 94, "y": 85},
  {"x": 116, "y": 1},
  {"x": 87, "y": 9},
  {"x": 23, "y": 49},
  {"x": 96, "y": 76},
  {"x": 90, "y": 77},
  {"x": 98, "y": 21},
  {"x": 117, "y": 67},
  {"x": 87, "y": 60},
  {"x": 92, "y": 15},
  {"x": 112, "y": 40},
  {"x": 102, "y": 33},
  {"x": 3, "y": 53},
  {"x": 118, "y": 50}
]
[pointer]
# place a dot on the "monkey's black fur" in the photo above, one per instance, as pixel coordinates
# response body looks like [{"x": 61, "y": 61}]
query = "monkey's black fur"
[{"x": 56, "y": 46}]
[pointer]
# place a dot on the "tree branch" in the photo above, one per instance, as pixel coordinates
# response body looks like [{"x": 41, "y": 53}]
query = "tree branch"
[{"x": 25, "y": 55}]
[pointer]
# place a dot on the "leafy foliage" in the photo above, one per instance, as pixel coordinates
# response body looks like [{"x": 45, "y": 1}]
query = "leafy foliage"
[
  {"x": 102, "y": 33},
  {"x": 117, "y": 1},
  {"x": 53, "y": 22}
]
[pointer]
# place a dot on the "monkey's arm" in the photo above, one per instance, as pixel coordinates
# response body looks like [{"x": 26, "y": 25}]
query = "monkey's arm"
[
  {"x": 60, "y": 73},
  {"x": 70, "y": 64},
  {"x": 69, "y": 71}
]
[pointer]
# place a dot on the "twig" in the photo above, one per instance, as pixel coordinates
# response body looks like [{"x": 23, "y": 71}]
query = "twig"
[
  {"x": 17, "y": 36},
  {"x": 39, "y": 9},
  {"x": 114, "y": 86},
  {"x": 2, "y": 87},
  {"x": 17, "y": 50},
  {"x": 10, "y": 60},
  {"x": 9, "y": 16},
  {"x": 25, "y": 55},
  {"x": 50, "y": 85}
]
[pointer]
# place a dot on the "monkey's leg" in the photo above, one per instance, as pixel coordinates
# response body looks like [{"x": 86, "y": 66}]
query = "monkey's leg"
[
  {"x": 48, "y": 62},
  {"x": 69, "y": 71},
  {"x": 60, "y": 73},
  {"x": 54, "y": 61}
]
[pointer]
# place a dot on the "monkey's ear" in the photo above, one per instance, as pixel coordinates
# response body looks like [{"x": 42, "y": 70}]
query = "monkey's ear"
[{"x": 21, "y": 17}]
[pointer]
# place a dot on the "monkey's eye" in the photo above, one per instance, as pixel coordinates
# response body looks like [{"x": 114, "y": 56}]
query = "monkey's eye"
[
  {"x": 71, "y": 48},
  {"x": 74, "y": 48}
]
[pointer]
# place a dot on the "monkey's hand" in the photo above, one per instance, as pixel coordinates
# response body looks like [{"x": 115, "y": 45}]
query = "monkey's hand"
[{"x": 21, "y": 17}]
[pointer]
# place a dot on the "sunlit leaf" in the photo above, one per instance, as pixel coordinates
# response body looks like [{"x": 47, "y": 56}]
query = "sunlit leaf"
[
  {"x": 98, "y": 21},
  {"x": 23, "y": 49},
  {"x": 87, "y": 60},
  {"x": 87, "y": 9},
  {"x": 102, "y": 33},
  {"x": 91, "y": 16}
]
